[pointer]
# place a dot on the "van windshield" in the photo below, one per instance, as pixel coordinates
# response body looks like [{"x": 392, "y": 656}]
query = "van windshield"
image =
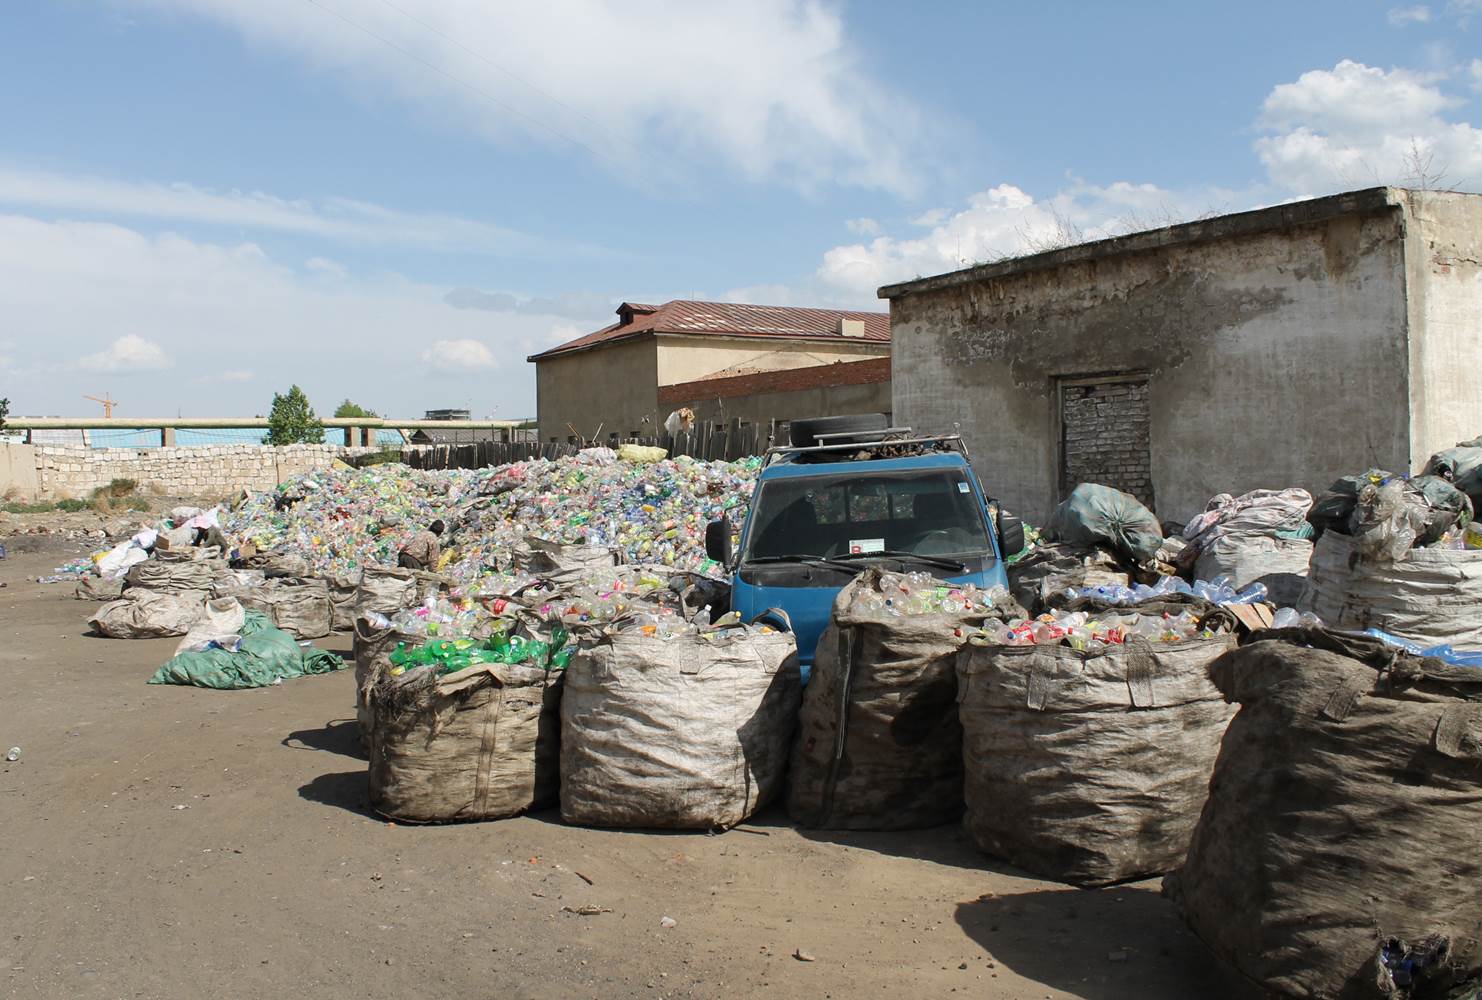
[{"x": 930, "y": 512}]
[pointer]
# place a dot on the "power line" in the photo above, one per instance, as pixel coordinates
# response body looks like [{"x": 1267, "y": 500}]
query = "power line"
[
  {"x": 461, "y": 82},
  {"x": 513, "y": 75}
]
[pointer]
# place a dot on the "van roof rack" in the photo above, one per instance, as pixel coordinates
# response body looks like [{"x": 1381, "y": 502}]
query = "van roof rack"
[{"x": 952, "y": 442}]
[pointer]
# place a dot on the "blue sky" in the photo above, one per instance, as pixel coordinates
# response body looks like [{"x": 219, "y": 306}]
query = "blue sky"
[{"x": 203, "y": 201}]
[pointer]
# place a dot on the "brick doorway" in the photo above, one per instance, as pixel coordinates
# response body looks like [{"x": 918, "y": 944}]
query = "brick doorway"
[{"x": 1104, "y": 434}]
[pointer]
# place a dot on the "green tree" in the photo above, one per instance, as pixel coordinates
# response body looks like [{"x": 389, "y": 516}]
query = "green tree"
[
  {"x": 4, "y": 412},
  {"x": 349, "y": 409},
  {"x": 292, "y": 420}
]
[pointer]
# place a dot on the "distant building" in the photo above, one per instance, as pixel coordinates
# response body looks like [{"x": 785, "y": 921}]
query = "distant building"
[
  {"x": 621, "y": 379},
  {"x": 446, "y": 415},
  {"x": 1285, "y": 346}
]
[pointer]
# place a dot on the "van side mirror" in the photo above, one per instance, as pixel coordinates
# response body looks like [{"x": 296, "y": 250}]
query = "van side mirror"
[
  {"x": 718, "y": 541},
  {"x": 1010, "y": 534}
]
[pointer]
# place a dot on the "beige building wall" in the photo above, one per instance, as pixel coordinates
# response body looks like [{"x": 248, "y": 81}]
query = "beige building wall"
[
  {"x": 612, "y": 388},
  {"x": 1443, "y": 276},
  {"x": 685, "y": 359}
]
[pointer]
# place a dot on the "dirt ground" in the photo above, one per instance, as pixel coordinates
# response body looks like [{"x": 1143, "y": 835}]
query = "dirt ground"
[{"x": 177, "y": 842}]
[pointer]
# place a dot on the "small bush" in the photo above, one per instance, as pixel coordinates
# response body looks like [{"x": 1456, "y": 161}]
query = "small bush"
[{"x": 72, "y": 506}]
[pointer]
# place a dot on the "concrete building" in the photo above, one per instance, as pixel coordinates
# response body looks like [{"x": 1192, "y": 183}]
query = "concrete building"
[
  {"x": 611, "y": 379},
  {"x": 1284, "y": 346}
]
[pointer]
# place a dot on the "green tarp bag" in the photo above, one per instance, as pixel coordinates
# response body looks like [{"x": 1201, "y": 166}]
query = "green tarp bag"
[
  {"x": 267, "y": 654},
  {"x": 1099, "y": 515}
]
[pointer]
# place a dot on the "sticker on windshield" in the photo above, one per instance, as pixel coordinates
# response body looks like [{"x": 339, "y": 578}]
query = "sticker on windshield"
[
  {"x": 962, "y": 487},
  {"x": 858, "y": 546}
]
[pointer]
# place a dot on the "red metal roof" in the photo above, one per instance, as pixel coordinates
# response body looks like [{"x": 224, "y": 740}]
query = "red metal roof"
[
  {"x": 787, "y": 380},
  {"x": 728, "y": 319}
]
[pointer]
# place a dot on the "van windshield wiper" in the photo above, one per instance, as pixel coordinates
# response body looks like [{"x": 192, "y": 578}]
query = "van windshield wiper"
[
  {"x": 939, "y": 561},
  {"x": 804, "y": 560}
]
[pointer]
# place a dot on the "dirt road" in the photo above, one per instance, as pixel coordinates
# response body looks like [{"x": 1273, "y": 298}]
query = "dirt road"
[{"x": 175, "y": 842}]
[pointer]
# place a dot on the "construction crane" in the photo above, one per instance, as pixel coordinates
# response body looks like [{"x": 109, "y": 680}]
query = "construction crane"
[{"x": 108, "y": 404}]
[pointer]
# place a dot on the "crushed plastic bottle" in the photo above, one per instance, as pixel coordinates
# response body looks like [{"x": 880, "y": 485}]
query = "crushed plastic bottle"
[
  {"x": 1220, "y": 590},
  {"x": 1087, "y": 633}
]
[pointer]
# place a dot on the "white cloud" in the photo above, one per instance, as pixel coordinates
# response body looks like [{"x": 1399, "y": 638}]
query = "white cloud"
[
  {"x": 1356, "y": 125},
  {"x": 1001, "y": 221},
  {"x": 862, "y": 226},
  {"x": 772, "y": 88},
  {"x": 232, "y": 375},
  {"x": 457, "y": 356},
  {"x": 217, "y": 308},
  {"x": 1402, "y": 16},
  {"x": 129, "y": 353},
  {"x": 325, "y": 266},
  {"x": 1474, "y": 71},
  {"x": 341, "y": 219}
]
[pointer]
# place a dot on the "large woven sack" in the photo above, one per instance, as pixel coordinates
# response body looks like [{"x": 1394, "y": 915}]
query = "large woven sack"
[
  {"x": 481, "y": 743},
  {"x": 562, "y": 564},
  {"x": 176, "y": 575},
  {"x": 1278, "y": 563},
  {"x": 385, "y": 590},
  {"x": 148, "y": 614},
  {"x": 687, "y": 733},
  {"x": 1051, "y": 568},
  {"x": 342, "y": 593},
  {"x": 279, "y": 564},
  {"x": 299, "y": 607},
  {"x": 1432, "y": 596},
  {"x": 1089, "y": 768},
  {"x": 1342, "y": 821},
  {"x": 372, "y": 647},
  {"x": 879, "y": 745},
  {"x": 97, "y": 588}
]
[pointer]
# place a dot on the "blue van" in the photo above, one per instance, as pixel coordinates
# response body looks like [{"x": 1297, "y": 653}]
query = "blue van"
[{"x": 853, "y": 492}]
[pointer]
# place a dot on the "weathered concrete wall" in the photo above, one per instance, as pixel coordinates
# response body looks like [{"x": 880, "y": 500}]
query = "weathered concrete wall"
[
  {"x": 1274, "y": 357},
  {"x": 1443, "y": 274},
  {"x": 683, "y": 359},
  {"x": 18, "y": 471},
  {"x": 205, "y": 472},
  {"x": 800, "y": 403},
  {"x": 613, "y": 387}
]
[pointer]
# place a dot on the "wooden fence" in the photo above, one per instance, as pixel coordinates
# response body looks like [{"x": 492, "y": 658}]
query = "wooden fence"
[{"x": 706, "y": 441}]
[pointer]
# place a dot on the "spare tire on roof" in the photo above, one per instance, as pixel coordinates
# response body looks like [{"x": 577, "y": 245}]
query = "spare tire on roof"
[{"x": 804, "y": 433}]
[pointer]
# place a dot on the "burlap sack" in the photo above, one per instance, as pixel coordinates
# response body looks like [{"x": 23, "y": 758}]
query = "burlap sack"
[
  {"x": 879, "y": 744},
  {"x": 481, "y": 743},
  {"x": 1432, "y": 596},
  {"x": 1336, "y": 854},
  {"x": 686, "y": 733},
  {"x": 1089, "y": 768}
]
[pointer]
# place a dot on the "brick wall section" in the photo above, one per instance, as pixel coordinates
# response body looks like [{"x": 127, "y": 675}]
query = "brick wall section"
[
  {"x": 204, "y": 472},
  {"x": 788, "y": 380},
  {"x": 1105, "y": 437}
]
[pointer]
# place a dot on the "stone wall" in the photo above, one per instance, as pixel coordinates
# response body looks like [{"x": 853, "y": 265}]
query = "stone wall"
[{"x": 205, "y": 472}]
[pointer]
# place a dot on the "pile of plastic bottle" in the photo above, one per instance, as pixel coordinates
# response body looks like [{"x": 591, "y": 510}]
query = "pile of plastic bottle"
[
  {"x": 902, "y": 594},
  {"x": 623, "y": 591},
  {"x": 345, "y": 519},
  {"x": 1455, "y": 657},
  {"x": 453, "y": 615},
  {"x": 349, "y": 518},
  {"x": 1090, "y": 633},
  {"x": 447, "y": 656},
  {"x": 1220, "y": 590},
  {"x": 654, "y": 512}
]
